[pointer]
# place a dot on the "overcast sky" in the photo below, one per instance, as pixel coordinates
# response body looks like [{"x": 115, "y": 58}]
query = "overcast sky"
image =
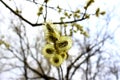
[{"x": 112, "y": 8}]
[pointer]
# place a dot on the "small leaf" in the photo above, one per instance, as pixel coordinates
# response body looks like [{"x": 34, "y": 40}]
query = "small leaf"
[
  {"x": 97, "y": 12},
  {"x": 77, "y": 11},
  {"x": 65, "y": 13},
  {"x": 102, "y": 13},
  {"x": 62, "y": 18},
  {"x": 59, "y": 9},
  {"x": 46, "y": 1},
  {"x": 88, "y": 4}
]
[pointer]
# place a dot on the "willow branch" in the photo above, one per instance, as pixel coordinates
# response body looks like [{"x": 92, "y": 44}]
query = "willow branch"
[{"x": 38, "y": 24}]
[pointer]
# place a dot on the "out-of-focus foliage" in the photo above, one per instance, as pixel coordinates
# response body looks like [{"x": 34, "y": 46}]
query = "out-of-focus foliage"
[{"x": 7, "y": 45}]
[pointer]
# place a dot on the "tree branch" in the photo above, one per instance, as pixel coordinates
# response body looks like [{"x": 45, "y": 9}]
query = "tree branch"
[{"x": 38, "y": 24}]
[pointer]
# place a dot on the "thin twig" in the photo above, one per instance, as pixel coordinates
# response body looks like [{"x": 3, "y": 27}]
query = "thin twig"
[
  {"x": 38, "y": 24},
  {"x": 59, "y": 73}
]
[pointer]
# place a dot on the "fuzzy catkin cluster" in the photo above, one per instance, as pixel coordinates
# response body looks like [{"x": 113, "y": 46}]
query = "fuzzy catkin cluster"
[{"x": 57, "y": 46}]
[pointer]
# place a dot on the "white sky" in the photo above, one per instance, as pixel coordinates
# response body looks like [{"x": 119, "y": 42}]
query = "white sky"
[{"x": 29, "y": 11}]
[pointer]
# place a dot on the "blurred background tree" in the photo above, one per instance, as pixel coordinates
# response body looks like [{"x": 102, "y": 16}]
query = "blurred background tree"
[{"x": 94, "y": 54}]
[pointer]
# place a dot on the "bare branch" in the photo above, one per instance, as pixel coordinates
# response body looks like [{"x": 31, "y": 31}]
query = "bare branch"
[{"x": 40, "y": 24}]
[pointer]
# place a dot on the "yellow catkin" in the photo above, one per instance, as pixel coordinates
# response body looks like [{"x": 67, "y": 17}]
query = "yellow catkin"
[
  {"x": 51, "y": 33},
  {"x": 48, "y": 50},
  {"x": 64, "y": 55},
  {"x": 56, "y": 60},
  {"x": 64, "y": 43}
]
